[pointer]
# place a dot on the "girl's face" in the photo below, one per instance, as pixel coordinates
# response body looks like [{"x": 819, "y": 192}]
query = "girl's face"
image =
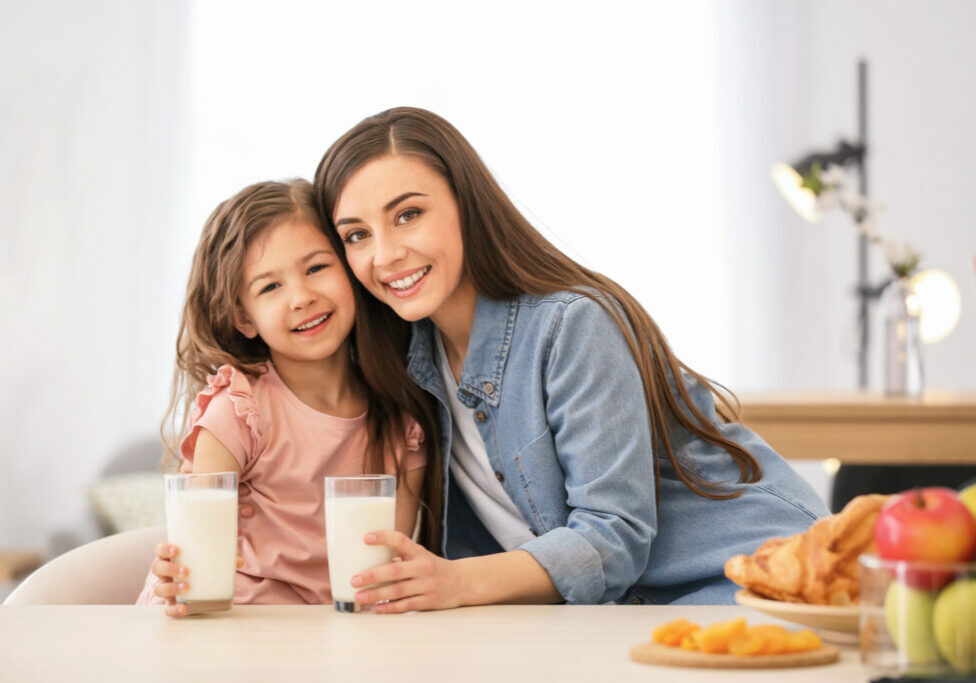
[
  {"x": 399, "y": 222},
  {"x": 295, "y": 294}
]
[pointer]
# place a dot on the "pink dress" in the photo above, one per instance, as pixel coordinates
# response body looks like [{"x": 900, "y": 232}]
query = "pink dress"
[{"x": 285, "y": 449}]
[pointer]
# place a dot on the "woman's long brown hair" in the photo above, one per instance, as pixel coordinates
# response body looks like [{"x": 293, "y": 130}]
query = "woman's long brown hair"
[
  {"x": 505, "y": 257},
  {"x": 207, "y": 338}
]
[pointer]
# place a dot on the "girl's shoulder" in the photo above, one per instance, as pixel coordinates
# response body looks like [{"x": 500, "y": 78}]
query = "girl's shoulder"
[{"x": 228, "y": 403}]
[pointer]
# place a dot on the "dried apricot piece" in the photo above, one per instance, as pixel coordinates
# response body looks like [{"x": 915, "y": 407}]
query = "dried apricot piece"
[
  {"x": 747, "y": 643},
  {"x": 715, "y": 638},
  {"x": 803, "y": 641},
  {"x": 673, "y": 632}
]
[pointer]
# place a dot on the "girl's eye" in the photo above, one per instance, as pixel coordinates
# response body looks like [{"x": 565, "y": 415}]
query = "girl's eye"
[
  {"x": 317, "y": 267},
  {"x": 354, "y": 236},
  {"x": 269, "y": 287},
  {"x": 406, "y": 216}
]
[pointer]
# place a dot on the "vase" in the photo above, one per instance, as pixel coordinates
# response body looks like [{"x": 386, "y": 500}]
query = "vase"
[{"x": 902, "y": 339}]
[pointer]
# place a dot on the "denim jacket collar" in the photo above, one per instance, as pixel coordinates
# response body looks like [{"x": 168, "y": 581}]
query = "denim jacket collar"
[{"x": 484, "y": 364}]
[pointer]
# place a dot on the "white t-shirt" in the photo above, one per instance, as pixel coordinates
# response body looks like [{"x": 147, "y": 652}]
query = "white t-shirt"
[{"x": 472, "y": 471}]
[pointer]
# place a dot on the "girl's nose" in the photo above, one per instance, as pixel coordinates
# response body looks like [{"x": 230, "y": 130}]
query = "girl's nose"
[{"x": 302, "y": 297}]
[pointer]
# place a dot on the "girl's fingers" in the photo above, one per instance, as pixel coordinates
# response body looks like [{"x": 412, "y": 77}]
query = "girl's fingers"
[
  {"x": 175, "y": 609},
  {"x": 166, "y": 551},
  {"x": 415, "y": 603},
  {"x": 170, "y": 589},
  {"x": 167, "y": 571}
]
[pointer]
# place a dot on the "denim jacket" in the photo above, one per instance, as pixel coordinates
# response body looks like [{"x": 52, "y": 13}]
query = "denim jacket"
[{"x": 560, "y": 406}]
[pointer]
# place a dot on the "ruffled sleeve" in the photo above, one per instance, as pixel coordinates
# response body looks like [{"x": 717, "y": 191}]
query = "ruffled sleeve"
[
  {"x": 414, "y": 451},
  {"x": 226, "y": 408}
]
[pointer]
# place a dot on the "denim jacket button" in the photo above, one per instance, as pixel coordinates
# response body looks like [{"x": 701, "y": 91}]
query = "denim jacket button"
[
  {"x": 480, "y": 416},
  {"x": 489, "y": 388},
  {"x": 636, "y": 601},
  {"x": 499, "y": 476}
]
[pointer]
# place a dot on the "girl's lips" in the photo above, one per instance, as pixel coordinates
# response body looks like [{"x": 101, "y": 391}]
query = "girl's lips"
[{"x": 312, "y": 331}]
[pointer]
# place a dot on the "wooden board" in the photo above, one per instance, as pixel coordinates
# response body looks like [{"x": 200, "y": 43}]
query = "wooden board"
[{"x": 664, "y": 655}]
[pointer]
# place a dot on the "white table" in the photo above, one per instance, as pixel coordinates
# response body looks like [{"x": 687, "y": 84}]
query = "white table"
[{"x": 503, "y": 644}]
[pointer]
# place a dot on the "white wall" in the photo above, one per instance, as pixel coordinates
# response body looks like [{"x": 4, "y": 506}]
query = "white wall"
[
  {"x": 637, "y": 135},
  {"x": 90, "y": 139}
]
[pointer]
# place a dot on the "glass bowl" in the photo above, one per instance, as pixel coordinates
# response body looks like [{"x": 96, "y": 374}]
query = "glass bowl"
[{"x": 918, "y": 618}]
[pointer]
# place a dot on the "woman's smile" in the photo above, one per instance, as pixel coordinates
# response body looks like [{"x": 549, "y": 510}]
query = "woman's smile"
[
  {"x": 409, "y": 285},
  {"x": 400, "y": 224}
]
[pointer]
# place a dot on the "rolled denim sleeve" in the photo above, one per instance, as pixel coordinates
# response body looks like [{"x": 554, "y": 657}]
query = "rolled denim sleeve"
[{"x": 599, "y": 421}]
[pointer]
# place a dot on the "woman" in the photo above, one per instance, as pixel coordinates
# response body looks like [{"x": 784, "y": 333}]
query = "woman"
[{"x": 583, "y": 462}]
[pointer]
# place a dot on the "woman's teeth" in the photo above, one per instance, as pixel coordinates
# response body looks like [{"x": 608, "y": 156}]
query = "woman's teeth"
[
  {"x": 408, "y": 282},
  {"x": 309, "y": 325}
]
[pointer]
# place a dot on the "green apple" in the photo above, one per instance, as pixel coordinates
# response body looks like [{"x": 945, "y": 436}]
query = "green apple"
[
  {"x": 968, "y": 498},
  {"x": 954, "y": 623},
  {"x": 908, "y": 613}
]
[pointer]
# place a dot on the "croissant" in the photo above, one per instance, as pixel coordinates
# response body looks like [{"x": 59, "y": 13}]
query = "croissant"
[{"x": 818, "y": 566}]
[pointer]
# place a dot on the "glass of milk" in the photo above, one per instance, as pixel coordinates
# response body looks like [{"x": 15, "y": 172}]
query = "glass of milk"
[
  {"x": 355, "y": 506},
  {"x": 201, "y": 519}
]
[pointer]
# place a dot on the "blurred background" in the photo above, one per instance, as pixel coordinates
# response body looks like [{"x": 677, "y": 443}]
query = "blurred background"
[{"x": 638, "y": 136}]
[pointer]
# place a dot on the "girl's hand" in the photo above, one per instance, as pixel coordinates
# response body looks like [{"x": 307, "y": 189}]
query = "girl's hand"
[
  {"x": 172, "y": 578},
  {"x": 419, "y": 581}
]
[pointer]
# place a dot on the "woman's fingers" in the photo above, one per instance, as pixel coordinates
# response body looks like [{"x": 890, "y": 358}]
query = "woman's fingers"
[{"x": 399, "y": 541}]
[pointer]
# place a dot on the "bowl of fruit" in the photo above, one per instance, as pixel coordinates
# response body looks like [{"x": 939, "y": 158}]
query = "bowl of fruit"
[{"x": 918, "y": 593}]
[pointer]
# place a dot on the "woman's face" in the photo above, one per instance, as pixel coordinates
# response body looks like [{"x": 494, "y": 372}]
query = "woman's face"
[{"x": 399, "y": 222}]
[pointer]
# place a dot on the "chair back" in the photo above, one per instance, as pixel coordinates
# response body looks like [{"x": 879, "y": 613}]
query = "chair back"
[{"x": 109, "y": 571}]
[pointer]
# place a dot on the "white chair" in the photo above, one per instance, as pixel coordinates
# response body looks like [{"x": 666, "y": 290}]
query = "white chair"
[{"x": 109, "y": 571}]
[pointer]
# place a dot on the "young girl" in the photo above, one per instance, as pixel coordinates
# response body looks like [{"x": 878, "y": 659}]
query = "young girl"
[
  {"x": 583, "y": 461},
  {"x": 264, "y": 360}
]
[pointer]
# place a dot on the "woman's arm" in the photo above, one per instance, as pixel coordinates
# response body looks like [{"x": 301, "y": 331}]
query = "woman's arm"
[{"x": 424, "y": 581}]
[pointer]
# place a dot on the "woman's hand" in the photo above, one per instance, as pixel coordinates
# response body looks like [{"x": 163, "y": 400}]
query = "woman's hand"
[
  {"x": 420, "y": 580},
  {"x": 171, "y": 578}
]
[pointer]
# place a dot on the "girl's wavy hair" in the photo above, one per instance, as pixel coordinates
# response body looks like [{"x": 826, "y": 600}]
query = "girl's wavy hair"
[
  {"x": 504, "y": 256},
  {"x": 207, "y": 338}
]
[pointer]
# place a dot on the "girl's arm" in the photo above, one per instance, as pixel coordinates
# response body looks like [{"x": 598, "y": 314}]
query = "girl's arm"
[{"x": 209, "y": 455}]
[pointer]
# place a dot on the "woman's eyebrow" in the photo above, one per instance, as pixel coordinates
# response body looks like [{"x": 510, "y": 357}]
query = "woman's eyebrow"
[
  {"x": 386, "y": 207},
  {"x": 396, "y": 200}
]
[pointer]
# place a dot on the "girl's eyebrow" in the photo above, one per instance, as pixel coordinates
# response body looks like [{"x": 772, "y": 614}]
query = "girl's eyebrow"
[
  {"x": 308, "y": 257},
  {"x": 386, "y": 207}
]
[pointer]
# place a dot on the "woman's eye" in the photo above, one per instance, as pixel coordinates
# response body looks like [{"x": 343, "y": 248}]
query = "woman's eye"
[
  {"x": 354, "y": 236},
  {"x": 269, "y": 287},
  {"x": 406, "y": 216}
]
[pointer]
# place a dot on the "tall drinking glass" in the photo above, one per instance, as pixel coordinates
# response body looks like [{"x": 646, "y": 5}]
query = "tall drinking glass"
[
  {"x": 201, "y": 519},
  {"x": 355, "y": 506}
]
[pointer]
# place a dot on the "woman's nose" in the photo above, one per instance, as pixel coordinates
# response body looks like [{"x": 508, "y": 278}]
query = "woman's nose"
[{"x": 387, "y": 250}]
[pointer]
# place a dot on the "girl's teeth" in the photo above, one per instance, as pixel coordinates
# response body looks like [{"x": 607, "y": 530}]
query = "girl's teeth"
[
  {"x": 409, "y": 281},
  {"x": 310, "y": 325}
]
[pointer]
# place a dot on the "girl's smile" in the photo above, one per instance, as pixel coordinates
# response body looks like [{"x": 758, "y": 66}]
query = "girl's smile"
[{"x": 295, "y": 294}]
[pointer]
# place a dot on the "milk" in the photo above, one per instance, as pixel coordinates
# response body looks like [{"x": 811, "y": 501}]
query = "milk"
[
  {"x": 347, "y": 520},
  {"x": 203, "y": 523}
]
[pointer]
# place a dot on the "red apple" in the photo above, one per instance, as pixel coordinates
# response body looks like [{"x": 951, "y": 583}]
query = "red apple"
[{"x": 926, "y": 525}]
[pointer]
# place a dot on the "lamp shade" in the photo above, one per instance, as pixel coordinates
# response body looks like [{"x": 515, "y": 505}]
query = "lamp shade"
[
  {"x": 939, "y": 304},
  {"x": 788, "y": 178},
  {"x": 790, "y": 185}
]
